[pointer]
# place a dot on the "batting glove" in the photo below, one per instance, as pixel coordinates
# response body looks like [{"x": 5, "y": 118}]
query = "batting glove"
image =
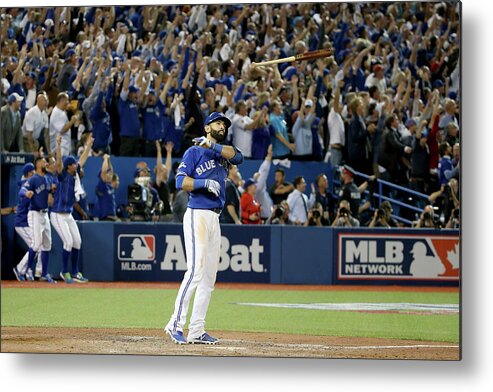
[
  {"x": 213, "y": 187},
  {"x": 202, "y": 142}
]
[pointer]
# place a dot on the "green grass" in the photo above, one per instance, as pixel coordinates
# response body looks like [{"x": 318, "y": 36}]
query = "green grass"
[{"x": 118, "y": 308}]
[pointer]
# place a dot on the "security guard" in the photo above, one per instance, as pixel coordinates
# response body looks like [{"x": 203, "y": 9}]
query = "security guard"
[{"x": 350, "y": 191}]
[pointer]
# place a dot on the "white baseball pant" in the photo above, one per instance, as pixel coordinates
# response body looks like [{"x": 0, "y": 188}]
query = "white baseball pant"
[
  {"x": 202, "y": 234},
  {"x": 65, "y": 226},
  {"x": 26, "y": 233},
  {"x": 40, "y": 224}
]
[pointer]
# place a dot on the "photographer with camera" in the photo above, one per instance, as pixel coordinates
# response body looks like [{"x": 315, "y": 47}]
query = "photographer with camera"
[
  {"x": 427, "y": 219},
  {"x": 454, "y": 221},
  {"x": 280, "y": 215},
  {"x": 447, "y": 198},
  {"x": 315, "y": 216},
  {"x": 143, "y": 200},
  {"x": 383, "y": 216},
  {"x": 343, "y": 217}
]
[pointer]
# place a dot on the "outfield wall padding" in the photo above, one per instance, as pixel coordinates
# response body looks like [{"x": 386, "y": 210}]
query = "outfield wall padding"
[{"x": 155, "y": 252}]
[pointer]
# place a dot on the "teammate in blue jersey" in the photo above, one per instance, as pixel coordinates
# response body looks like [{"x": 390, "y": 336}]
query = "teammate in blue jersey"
[
  {"x": 37, "y": 189},
  {"x": 202, "y": 173},
  {"x": 61, "y": 213},
  {"x": 22, "y": 226},
  {"x": 105, "y": 191}
]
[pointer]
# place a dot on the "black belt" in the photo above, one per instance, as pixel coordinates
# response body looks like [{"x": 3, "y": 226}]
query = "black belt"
[
  {"x": 44, "y": 210},
  {"x": 216, "y": 210}
]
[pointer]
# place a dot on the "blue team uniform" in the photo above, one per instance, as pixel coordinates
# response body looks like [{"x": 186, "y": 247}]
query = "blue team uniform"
[
  {"x": 201, "y": 163},
  {"x": 22, "y": 209},
  {"x": 65, "y": 192},
  {"x": 41, "y": 186},
  {"x": 106, "y": 199}
]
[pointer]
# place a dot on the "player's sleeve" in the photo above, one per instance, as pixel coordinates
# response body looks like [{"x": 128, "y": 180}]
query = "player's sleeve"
[
  {"x": 26, "y": 186},
  {"x": 238, "y": 158},
  {"x": 186, "y": 168}
]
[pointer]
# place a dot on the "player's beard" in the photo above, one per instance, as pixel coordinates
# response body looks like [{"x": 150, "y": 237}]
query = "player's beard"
[{"x": 218, "y": 136}]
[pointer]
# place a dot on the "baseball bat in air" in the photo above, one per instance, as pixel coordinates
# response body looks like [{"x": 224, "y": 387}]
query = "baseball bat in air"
[{"x": 299, "y": 57}]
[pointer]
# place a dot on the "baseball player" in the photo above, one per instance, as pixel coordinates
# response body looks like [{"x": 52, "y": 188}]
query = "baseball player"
[
  {"x": 37, "y": 189},
  {"x": 202, "y": 173},
  {"x": 61, "y": 212},
  {"x": 22, "y": 227}
]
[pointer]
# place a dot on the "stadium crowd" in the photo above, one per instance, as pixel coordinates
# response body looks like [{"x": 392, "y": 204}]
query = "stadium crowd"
[{"x": 133, "y": 80}]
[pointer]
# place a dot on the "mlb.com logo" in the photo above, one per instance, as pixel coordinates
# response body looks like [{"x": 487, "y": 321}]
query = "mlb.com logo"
[
  {"x": 400, "y": 256},
  {"x": 138, "y": 247}
]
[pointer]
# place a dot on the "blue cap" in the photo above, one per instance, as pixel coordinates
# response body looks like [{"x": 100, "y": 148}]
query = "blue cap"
[
  {"x": 47, "y": 42},
  {"x": 15, "y": 97},
  {"x": 28, "y": 167},
  {"x": 67, "y": 161},
  {"x": 32, "y": 75},
  {"x": 297, "y": 19},
  {"x": 215, "y": 116},
  {"x": 43, "y": 69},
  {"x": 249, "y": 182},
  {"x": 438, "y": 83},
  {"x": 69, "y": 53},
  {"x": 410, "y": 122},
  {"x": 133, "y": 89},
  {"x": 152, "y": 91}
]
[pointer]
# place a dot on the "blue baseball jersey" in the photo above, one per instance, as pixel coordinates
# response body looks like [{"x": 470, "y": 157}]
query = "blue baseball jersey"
[
  {"x": 202, "y": 163},
  {"x": 106, "y": 199},
  {"x": 129, "y": 118},
  {"x": 65, "y": 192},
  {"x": 41, "y": 187},
  {"x": 22, "y": 208},
  {"x": 52, "y": 179},
  {"x": 152, "y": 121}
]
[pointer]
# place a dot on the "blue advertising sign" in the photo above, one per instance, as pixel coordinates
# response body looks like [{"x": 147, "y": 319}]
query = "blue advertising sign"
[
  {"x": 156, "y": 252},
  {"x": 397, "y": 256}
]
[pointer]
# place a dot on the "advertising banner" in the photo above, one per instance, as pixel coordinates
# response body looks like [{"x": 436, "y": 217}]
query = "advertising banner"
[
  {"x": 397, "y": 255},
  {"x": 156, "y": 252}
]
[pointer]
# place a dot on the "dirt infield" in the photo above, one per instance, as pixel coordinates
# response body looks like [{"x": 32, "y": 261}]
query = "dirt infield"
[{"x": 233, "y": 344}]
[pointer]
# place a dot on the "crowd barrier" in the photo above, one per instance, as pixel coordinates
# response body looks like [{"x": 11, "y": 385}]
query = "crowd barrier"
[{"x": 155, "y": 252}]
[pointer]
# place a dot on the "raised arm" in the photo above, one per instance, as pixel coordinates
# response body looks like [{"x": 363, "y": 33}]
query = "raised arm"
[
  {"x": 59, "y": 163},
  {"x": 87, "y": 150}
]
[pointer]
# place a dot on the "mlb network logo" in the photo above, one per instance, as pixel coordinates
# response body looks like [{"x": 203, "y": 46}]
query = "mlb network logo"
[
  {"x": 136, "y": 247},
  {"x": 408, "y": 257}
]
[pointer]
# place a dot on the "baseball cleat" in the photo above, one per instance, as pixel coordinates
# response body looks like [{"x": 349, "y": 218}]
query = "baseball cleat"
[
  {"x": 67, "y": 278},
  {"x": 29, "y": 275},
  {"x": 79, "y": 278},
  {"x": 47, "y": 278},
  {"x": 205, "y": 338},
  {"x": 176, "y": 336},
  {"x": 18, "y": 275}
]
